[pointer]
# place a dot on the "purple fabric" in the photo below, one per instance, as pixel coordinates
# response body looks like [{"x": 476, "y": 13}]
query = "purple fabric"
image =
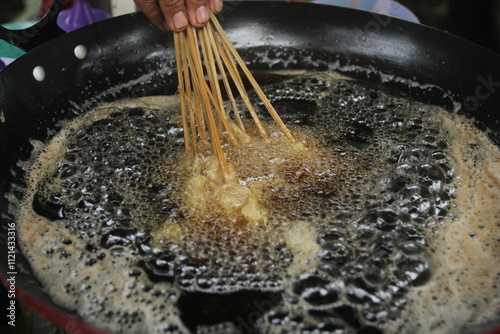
[{"x": 81, "y": 14}]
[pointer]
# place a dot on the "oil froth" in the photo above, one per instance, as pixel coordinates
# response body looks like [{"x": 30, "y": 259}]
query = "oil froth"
[{"x": 357, "y": 240}]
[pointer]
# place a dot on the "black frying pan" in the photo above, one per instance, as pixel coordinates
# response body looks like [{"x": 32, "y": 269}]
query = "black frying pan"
[{"x": 128, "y": 57}]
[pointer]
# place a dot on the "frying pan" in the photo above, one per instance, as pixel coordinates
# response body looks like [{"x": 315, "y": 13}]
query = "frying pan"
[{"x": 63, "y": 77}]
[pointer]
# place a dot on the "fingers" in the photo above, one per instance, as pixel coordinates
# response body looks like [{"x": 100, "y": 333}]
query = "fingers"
[
  {"x": 152, "y": 10},
  {"x": 215, "y": 5},
  {"x": 197, "y": 12},
  {"x": 176, "y": 15}
]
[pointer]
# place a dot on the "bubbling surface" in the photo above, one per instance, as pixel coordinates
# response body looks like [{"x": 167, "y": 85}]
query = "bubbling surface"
[{"x": 361, "y": 239}]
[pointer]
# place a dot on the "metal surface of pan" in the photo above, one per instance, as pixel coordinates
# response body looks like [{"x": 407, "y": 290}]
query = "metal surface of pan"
[{"x": 128, "y": 57}]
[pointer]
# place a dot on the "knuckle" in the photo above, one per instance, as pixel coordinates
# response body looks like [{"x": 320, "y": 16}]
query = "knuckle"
[{"x": 195, "y": 3}]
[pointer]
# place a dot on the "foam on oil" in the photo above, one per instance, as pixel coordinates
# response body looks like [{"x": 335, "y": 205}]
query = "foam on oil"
[{"x": 392, "y": 227}]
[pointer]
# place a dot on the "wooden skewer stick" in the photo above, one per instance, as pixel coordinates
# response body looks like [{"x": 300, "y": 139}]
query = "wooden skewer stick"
[
  {"x": 233, "y": 72},
  {"x": 202, "y": 87},
  {"x": 255, "y": 85},
  {"x": 182, "y": 93},
  {"x": 196, "y": 121},
  {"x": 224, "y": 79},
  {"x": 203, "y": 57},
  {"x": 214, "y": 84}
]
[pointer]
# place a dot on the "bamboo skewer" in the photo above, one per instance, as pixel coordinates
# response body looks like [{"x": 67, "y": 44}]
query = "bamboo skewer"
[
  {"x": 183, "y": 95},
  {"x": 255, "y": 85},
  {"x": 203, "y": 56},
  {"x": 225, "y": 81}
]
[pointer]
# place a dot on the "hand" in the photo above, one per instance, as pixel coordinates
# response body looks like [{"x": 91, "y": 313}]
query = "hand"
[{"x": 176, "y": 15}]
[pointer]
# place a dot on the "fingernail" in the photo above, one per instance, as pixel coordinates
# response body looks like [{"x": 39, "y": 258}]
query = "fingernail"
[
  {"x": 180, "y": 20},
  {"x": 202, "y": 15},
  {"x": 218, "y": 5}
]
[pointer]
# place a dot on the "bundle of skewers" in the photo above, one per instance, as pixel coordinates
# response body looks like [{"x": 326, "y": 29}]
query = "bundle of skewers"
[
  {"x": 213, "y": 97},
  {"x": 206, "y": 57}
]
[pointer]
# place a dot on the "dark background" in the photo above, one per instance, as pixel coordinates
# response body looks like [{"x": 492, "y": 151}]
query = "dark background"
[{"x": 475, "y": 20}]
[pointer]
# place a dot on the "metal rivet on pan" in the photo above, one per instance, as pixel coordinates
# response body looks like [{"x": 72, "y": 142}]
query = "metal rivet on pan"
[
  {"x": 80, "y": 51},
  {"x": 39, "y": 73}
]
